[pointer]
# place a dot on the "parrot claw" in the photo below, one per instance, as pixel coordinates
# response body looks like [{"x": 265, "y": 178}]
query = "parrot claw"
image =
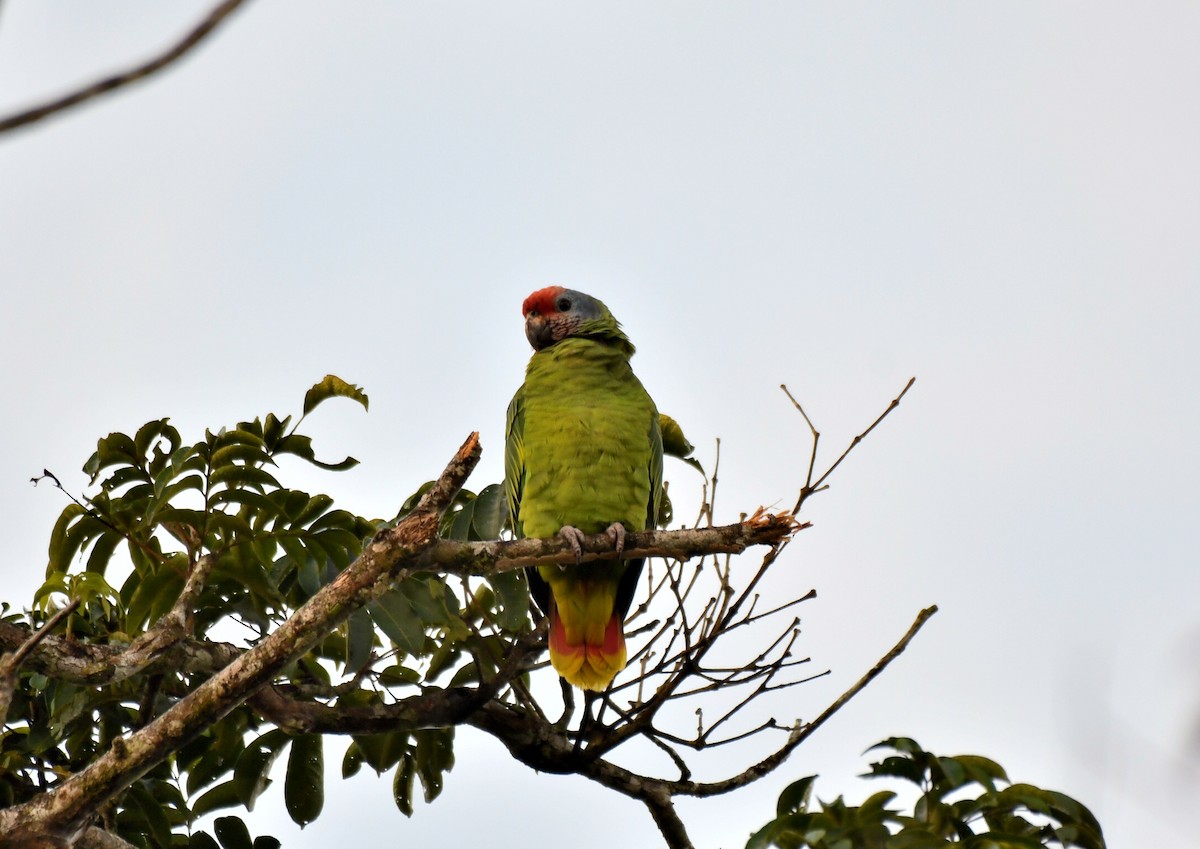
[
  {"x": 616, "y": 532},
  {"x": 574, "y": 536}
]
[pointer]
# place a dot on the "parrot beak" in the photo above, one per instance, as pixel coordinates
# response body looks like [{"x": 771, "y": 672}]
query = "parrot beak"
[{"x": 538, "y": 331}]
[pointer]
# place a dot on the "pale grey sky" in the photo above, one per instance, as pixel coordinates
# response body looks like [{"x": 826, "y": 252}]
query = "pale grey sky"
[{"x": 1002, "y": 199}]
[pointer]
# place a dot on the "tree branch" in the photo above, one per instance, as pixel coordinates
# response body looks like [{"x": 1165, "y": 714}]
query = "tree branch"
[
  {"x": 139, "y": 72},
  {"x": 98, "y": 665},
  {"x": 434, "y": 708},
  {"x": 486, "y": 558},
  {"x": 659, "y": 803},
  {"x": 10, "y": 664},
  {"x": 98, "y": 838}
]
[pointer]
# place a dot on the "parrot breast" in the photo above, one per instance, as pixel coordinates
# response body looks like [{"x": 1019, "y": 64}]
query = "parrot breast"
[{"x": 591, "y": 448}]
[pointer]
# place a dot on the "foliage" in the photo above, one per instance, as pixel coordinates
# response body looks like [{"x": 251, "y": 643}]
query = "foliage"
[
  {"x": 960, "y": 802},
  {"x": 165, "y": 510}
]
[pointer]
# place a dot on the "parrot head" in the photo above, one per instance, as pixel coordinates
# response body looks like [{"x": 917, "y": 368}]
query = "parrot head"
[{"x": 555, "y": 313}]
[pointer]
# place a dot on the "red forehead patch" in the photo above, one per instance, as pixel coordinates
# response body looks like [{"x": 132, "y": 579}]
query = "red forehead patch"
[{"x": 542, "y": 301}]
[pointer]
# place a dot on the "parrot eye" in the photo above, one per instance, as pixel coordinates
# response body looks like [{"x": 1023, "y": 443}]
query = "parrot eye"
[{"x": 564, "y": 304}]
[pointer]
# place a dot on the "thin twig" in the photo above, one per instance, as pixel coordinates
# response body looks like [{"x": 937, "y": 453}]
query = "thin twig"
[
  {"x": 809, "y": 488},
  {"x": 139, "y": 72},
  {"x": 816, "y": 437},
  {"x": 803, "y": 732}
]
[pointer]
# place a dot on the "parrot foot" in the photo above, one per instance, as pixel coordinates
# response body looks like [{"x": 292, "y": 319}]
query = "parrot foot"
[
  {"x": 616, "y": 532},
  {"x": 574, "y": 537}
]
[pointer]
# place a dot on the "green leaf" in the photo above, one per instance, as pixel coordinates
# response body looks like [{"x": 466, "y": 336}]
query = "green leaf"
[
  {"x": 256, "y": 502},
  {"x": 301, "y": 446},
  {"x": 460, "y": 526},
  {"x": 155, "y": 593},
  {"x": 116, "y": 448},
  {"x": 308, "y": 573},
  {"x": 236, "y": 476},
  {"x": 352, "y": 761},
  {"x": 274, "y": 428},
  {"x": 898, "y": 767},
  {"x": 202, "y": 840},
  {"x": 954, "y": 773},
  {"x": 511, "y": 598},
  {"x": 56, "y": 582},
  {"x": 224, "y": 795},
  {"x": 402, "y": 785},
  {"x": 74, "y": 530},
  {"x": 982, "y": 770},
  {"x": 304, "y": 785},
  {"x": 232, "y": 833},
  {"x": 917, "y": 838},
  {"x": 60, "y": 559},
  {"x": 491, "y": 510},
  {"x": 427, "y": 597},
  {"x": 1001, "y": 841},
  {"x": 434, "y": 757},
  {"x": 102, "y": 553},
  {"x": 149, "y": 433},
  {"x": 394, "y": 615},
  {"x": 211, "y": 764},
  {"x": 313, "y": 509},
  {"x": 157, "y": 825},
  {"x": 382, "y": 751},
  {"x": 331, "y": 387},
  {"x": 794, "y": 798},
  {"x": 360, "y": 639},
  {"x": 251, "y": 773}
]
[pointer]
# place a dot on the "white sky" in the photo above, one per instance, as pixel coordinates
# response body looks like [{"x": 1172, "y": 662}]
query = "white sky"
[{"x": 1002, "y": 199}]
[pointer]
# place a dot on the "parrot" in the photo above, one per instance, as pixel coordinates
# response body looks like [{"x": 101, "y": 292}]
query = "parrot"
[{"x": 583, "y": 455}]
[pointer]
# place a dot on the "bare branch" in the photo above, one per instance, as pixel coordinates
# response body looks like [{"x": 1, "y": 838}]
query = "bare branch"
[
  {"x": 816, "y": 438},
  {"x": 485, "y": 558},
  {"x": 809, "y": 486},
  {"x": 854, "y": 442},
  {"x": 802, "y": 732},
  {"x": 140, "y": 72}
]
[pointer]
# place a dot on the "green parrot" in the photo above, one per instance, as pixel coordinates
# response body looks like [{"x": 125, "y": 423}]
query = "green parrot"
[{"x": 583, "y": 455}]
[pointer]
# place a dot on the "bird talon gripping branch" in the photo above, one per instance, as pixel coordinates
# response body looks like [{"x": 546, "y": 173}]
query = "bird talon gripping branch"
[
  {"x": 574, "y": 537},
  {"x": 616, "y": 532}
]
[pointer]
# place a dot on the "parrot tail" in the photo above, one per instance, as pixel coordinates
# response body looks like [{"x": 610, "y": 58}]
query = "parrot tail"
[
  {"x": 587, "y": 634},
  {"x": 587, "y": 665}
]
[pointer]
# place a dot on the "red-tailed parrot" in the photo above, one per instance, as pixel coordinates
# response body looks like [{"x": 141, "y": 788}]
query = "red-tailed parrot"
[{"x": 583, "y": 455}]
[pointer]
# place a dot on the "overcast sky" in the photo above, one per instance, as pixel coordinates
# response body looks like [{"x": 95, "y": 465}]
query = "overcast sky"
[{"x": 1001, "y": 199}]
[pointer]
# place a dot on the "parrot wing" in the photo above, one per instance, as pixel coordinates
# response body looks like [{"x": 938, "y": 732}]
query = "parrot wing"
[{"x": 514, "y": 459}]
